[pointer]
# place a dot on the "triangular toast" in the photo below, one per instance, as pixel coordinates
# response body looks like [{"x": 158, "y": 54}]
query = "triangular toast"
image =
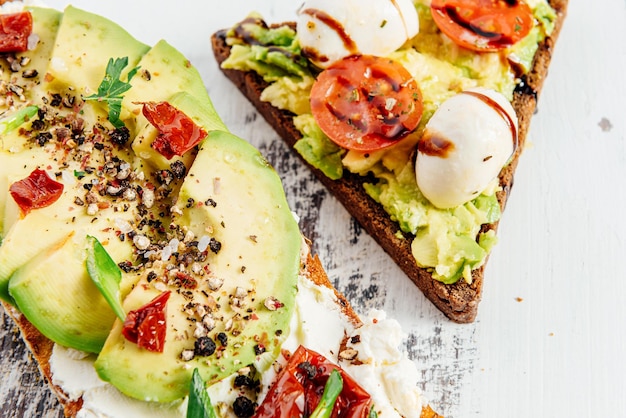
[{"x": 458, "y": 301}]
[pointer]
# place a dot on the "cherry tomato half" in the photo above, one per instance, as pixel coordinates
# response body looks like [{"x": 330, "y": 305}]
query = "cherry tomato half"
[
  {"x": 36, "y": 191},
  {"x": 178, "y": 133},
  {"x": 366, "y": 103},
  {"x": 483, "y": 25},
  {"x": 299, "y": 387},
  {"x": 146, "y": 325},
  {"x": 15, "y": 28}
]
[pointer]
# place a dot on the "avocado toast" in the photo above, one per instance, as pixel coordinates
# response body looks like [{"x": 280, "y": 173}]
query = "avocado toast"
[
  {"x": 442, "y": 250},
  {"x": 164, "y": 244}
]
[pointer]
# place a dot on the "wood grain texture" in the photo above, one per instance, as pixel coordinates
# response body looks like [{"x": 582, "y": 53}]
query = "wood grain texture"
[
  {"x": 23, "y": 391},
  {"x": 549, "y": 340}
]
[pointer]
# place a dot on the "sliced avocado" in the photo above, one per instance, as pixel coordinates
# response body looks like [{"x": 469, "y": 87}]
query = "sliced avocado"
[
  {"x": 166, "y": 75},
  {"x": 235, "y": 197},
  {"x": 14, "y": 166},
  {"x": 164, "y": 71},
  {"x": 52, "y": 224},
  {"x": 201, "y": 112},
  {"x": 83, "y": 46},
  {"x": 66, "y": 306},
  {"x": 19, "y": 156},
  {"x": 45, "y": 25}
]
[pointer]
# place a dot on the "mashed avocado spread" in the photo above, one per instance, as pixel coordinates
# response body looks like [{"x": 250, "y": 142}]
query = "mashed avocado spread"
[{"x": 447, "y": 241}]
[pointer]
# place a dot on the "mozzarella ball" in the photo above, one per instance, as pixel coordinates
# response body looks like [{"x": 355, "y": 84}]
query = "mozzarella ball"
[
  {"x": 330, "y": 30},
  {"x": 464, "y": 146}
]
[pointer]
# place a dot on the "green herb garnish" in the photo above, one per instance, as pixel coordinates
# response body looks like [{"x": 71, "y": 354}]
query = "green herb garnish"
[
  {"x": 105, "y": 274},
  {"x": 199, "y": 404},
  {"x": 373, "y": 413},
  {"x": 112, "y": 88},
  {"x": 332, "y": 389},
  {"x": 18, "y": 119}
]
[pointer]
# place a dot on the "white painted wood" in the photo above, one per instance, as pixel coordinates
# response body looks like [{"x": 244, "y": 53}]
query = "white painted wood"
[{"x": 549, "y": 339}]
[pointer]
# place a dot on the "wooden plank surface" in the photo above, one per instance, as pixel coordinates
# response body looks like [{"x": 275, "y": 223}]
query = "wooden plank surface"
[
  {"x": 23, "y": 392},
  {"x": 549, "y": 338}
]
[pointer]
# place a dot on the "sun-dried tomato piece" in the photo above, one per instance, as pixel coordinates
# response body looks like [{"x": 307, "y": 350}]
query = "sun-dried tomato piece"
[
  {"x": 146, "y": 326},
  {"x": 298, "y": 389},
  {"x": 178, "y": 133},
  {"x": 15, "y": 28},
  {"x": 36, "y": 191}
]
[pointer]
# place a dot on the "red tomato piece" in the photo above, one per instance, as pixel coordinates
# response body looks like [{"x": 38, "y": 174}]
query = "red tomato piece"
[
  {"x": 36, "y": 191},
  {"x": 15, "y": 28},
  {"x": 483, "y": 25},
  {"x": 177, "y": 132},
  {"x": 366, "y": 103},
  {"x": 301, "y": 384},
  {"x": 146, "y": 325}
]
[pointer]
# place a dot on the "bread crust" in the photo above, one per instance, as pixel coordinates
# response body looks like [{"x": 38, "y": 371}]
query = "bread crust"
[
  {"x": 458, "y": 301},
  {"x": 41, "y": 348}
]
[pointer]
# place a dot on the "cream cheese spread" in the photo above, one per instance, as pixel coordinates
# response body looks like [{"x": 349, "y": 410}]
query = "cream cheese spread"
[{"x": 380, "y": 367}]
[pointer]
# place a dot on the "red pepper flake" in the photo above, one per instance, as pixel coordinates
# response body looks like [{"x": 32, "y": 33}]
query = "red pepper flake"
[
  {"x": 36, "y": 191},
  {"x": 146, "y": 325},
  {"x": 177, "y": 132},
  {"x": 186, "y": 281}
]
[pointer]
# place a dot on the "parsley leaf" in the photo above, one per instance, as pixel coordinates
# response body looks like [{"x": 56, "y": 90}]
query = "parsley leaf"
[{"x": 112, "y": 88}]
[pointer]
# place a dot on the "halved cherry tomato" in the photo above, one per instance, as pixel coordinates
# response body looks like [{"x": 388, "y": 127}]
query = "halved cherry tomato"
[
  {"x": 483, "y": 25},
  {"x": 299, "y": 387},
  {"x": 366, "y": 103},
  {"x": 15, "y": 28},
  {"x": 36, "y": 191},
  {"x": 146, "y": 325},
  {"x": 177, "y": 132}
]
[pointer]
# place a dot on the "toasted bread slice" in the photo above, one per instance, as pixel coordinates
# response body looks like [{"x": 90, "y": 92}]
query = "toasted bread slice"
[
  {"x": 300, "y": 262},
  {"x": 42, "y": 348},
  {"x": 458, "y": 301}
]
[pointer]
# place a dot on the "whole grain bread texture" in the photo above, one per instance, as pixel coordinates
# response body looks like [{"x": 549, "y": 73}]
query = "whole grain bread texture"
[
  {"x": 41, "y": 347},
  {"x": 458, "y": 301}
]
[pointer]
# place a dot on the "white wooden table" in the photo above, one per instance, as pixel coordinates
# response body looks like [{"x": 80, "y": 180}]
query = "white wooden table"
[{"x": 550, "y": 337}]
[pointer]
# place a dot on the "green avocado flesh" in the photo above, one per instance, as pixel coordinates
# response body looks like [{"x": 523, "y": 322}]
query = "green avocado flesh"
[
  {"x": 212, "y": 226},
  {"x": 83, "y": 45},
  {"x": 450, "y": 246},
  {"x": 258, "y": 261}
]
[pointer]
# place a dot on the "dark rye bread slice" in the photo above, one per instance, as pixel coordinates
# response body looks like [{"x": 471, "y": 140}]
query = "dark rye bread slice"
[
  {"x": 41, "y": 347},
  {"x": 458, "y": 301}
]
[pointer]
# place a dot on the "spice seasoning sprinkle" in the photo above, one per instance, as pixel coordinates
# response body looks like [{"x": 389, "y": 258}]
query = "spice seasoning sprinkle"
[{"x": 110, "y": 182}]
